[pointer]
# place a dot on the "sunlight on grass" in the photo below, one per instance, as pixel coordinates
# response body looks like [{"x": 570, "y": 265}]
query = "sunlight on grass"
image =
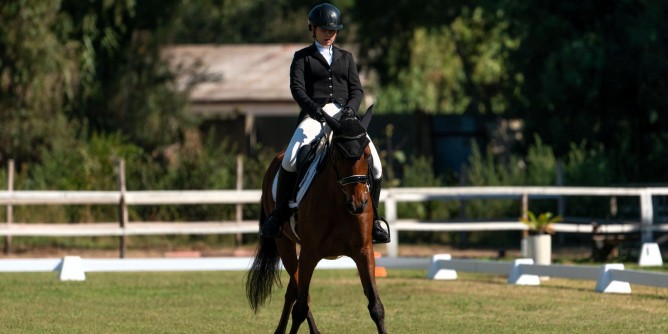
[{"x": 214, "y": 302}]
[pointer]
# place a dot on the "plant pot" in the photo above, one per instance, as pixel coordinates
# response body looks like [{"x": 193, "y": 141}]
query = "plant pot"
[{"x": 539, "y": 248}]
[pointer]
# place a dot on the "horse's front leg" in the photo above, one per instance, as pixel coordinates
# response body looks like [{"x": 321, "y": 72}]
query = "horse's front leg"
[
  {"x": 290, "y": 298},
  {"x": 301, "y": 311},
  {"x": 288, "y": 252},
  {"x": 366, "y": 266}
]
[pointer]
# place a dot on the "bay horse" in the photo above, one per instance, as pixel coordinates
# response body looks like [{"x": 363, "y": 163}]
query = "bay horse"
[{"x": 335, "y": 217}]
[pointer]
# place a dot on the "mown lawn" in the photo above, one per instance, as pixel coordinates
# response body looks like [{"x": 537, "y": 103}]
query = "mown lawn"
[{"x": 214, "y": 302}]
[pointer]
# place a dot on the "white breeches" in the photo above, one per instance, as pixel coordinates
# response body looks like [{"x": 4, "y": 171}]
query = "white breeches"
[{"x": 308, "y": 130}]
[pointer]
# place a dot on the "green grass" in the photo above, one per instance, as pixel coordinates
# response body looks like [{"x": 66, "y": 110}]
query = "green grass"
[{"x": 214, "y": 302}]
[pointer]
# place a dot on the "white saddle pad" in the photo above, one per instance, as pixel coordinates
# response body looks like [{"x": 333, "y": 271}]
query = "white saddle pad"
[{"x": 305, "y": 182}]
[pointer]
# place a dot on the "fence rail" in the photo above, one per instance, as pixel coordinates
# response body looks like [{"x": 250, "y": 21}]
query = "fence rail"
[
  {"x": 610, "y": 278},
  {"x": 645, "y": 225},
  {"x": 391, "y": 197}
]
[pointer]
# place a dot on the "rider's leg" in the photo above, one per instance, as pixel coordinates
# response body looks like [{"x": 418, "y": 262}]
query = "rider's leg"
[
  {"x": 378, "y": 234},
  {"x": 271, "y": 228},
  {"x": 305, "y": 133}
]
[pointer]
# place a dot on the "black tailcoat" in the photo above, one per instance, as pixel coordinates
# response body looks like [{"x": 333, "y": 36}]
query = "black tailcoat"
[{"x": 314, "y": 83}]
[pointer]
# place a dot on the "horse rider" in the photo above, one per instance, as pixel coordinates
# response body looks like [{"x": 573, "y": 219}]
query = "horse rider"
[{"x": 323, "y": 79}]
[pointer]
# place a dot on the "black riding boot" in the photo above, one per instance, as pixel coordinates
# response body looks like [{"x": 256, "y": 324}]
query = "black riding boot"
[
  {"x": 378, "y": 234},
  {"x": 271, "y": 228}
]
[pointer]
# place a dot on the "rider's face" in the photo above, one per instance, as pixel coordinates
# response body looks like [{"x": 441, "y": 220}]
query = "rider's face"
[{"x": 325, "y": 37}]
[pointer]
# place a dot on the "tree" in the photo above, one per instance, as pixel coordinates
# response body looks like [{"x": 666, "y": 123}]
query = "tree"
[
  {"x": 439, "y": 57},
  {"x": 240, "y": 21},
  {"x": 595, "y": 72},
  {"x": 124, "y": 83},
  {"x": 35, "y": 77}
]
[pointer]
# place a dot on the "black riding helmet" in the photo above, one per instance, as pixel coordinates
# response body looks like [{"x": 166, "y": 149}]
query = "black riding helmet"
[{"x": 325, "y": 16}]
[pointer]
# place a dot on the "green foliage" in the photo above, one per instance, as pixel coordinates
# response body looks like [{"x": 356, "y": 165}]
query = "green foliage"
[
  {"x": 77, "y": 165},
  {"x": 124, "y": 83},
  {"x": 594, "y": 74},
  {"x": 582, "y": 167},
  {"x": 418, "y": 172},
  {"x": 35, "y": 77},
  {"x": 82, "y": 164},
  {"x": 197, "y": 164},
  {"x": 454, "y": 65},
  {"x": 194, "y": 164},
  {"x": 540, "y": 224},
  {"x": 590, "y": 166},
  {"x": 257, "y": 21}
]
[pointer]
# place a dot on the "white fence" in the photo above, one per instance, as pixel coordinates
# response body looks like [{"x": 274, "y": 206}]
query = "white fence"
[
  {"x": 646, "y": 224},
  {"x": 391, "y": 197},
  {"x": 609, "y": 278}
]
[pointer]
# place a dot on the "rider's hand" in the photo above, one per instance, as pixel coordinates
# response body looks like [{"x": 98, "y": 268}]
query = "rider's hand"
[
  {"x": 347, "y": 110},
  {"x": 318, "y": 115}
]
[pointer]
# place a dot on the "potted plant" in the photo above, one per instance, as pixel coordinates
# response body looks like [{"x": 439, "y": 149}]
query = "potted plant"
[{"x": 539, "y": 241}]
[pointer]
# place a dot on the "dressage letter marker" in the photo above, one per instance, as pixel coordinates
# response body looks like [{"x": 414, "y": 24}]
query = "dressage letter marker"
[
  {"x": 650, "y": 255},
  {"x": 435, "y": 271},
  {"x": 71, "y": 269}
]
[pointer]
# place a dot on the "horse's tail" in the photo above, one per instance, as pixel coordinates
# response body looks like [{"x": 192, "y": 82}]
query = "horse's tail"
[{"x": 264, "y": 271}]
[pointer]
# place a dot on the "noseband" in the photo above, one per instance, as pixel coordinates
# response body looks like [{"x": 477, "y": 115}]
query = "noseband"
[{"x": 353, "y": 179}]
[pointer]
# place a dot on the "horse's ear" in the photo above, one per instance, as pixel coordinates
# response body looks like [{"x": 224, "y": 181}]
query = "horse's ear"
[
  {"x": 366, "y": 119},
  {"x": 333, "y": 123}
]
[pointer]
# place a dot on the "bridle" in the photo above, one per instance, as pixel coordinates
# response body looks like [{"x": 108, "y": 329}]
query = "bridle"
[{"x": 352, "y": 179}]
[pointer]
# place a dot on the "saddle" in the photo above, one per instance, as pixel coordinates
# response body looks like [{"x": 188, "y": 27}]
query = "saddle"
[{"x": 310, "y": 159}]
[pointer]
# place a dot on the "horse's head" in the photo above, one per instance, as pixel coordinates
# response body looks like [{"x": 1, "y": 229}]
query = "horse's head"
[{"x": 350, "y": 156}]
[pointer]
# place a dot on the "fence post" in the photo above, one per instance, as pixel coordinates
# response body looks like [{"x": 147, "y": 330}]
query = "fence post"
[
  {"x": 524, "y": 213},
  {"x": 10, "y": 216},
  {"x": 561, "y": 201},
  {"x": 646, "y": 216},
  {"x": 391, "y": 216},
  {"x": 464, "y": 235},
  {"x": 122, "y": 207},
  {"x": 240, "y": 186}
]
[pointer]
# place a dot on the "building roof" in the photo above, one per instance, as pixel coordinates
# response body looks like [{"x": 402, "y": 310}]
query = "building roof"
[{"x": 246, "y": 79}]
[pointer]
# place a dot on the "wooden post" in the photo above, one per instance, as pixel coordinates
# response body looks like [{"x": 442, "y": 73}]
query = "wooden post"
[
  {"x": 561, "y": 202},
  {"x": 561, "y": 206},
  {"x": 240, "y": 186},
  {"x": 613, "y": 206},
  {"x": 122, "y": 208},
  {"x": 525, "y": 212},
  {"x": 463, "y": 235},
  {"x": 10, "y": 216}
]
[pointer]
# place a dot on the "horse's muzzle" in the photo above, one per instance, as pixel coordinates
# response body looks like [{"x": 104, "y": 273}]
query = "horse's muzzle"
[{"x": 357, "y": 207}]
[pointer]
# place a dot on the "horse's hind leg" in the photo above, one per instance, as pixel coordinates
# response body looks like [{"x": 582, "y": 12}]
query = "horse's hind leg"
[
  {"x": 310, "y": 320},
  {"x": 366, "y": 266}
]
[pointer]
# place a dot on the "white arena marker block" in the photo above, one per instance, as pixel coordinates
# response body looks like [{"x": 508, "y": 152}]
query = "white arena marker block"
[
  {"x": 606, "y": 284},
  {"x": 650, "y": 255},
  {"x": 435, "y": 271},
  {"x": 518, "y": 278},
  {"x": 71, "y": 269}
]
